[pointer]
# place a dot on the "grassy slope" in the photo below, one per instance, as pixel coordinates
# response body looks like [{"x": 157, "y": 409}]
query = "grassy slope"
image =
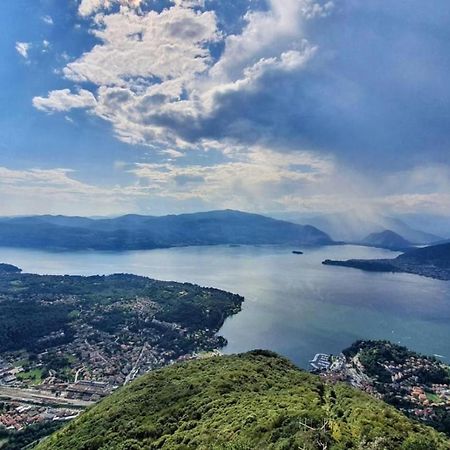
[{"x": 252, "y": 401}]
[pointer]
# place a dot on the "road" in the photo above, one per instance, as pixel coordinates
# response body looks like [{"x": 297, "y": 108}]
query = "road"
[{"x": 135, "y": 369}]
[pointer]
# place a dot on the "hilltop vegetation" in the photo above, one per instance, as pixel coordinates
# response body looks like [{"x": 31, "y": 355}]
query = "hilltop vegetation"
[
  {"x": 252, "y": 401},
  {"x": 134, "y": 232}
]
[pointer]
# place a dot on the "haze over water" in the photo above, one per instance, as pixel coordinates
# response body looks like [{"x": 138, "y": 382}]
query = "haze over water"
[{"x": 293, "y": 304}]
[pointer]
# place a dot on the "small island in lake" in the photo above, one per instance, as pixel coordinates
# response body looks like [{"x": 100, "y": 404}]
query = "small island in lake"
[{"x": 297, "y": 252}]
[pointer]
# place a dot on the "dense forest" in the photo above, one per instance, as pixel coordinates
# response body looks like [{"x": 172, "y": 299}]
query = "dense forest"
[{"x": 252, "y": 401}]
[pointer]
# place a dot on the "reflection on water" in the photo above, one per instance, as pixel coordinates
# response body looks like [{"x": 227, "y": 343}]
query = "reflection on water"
[{"x": 294, "y": 305}]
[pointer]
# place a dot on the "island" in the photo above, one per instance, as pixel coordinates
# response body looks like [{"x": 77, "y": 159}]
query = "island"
[
  {"x": 67, "y": 341},
  {"x": 297, "y": 252},
  {"x": 432, "y": 261}
]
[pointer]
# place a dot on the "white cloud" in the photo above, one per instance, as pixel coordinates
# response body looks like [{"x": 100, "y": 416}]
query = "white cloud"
[
  {"x": 268, "y": 34},
  {"x": 153, "y": 70},
  {"x": 37, "y": 191},
  {"x": 157, "y": 83},
  {"x": 23, "y": 48},
  {"x": 48, "y": 20},
  {"x": 137, "y": 48},
  {"x": 45, "y": 46},
  {"x": 254, "y": 179},
  {"x": 89, "y": 7},
  {"x": 65, "y": 100}
]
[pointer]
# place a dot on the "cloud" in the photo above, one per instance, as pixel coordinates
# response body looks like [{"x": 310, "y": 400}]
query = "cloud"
[
  {"x": 155, "y": 72},
  {"x": 89, "y": 7},
  {"x": 48, "y": 20},
  {"x": 252, "y": 179},
  {"x": 45, "y": 46},
  {"x": 23, "y": 48},
  {"x": 65, "y": 100},
  {"x": 37, "y": 191},
  {"x": 138, "y": 49},
  {"x": 366, "y": 82},
  {"x": 361, "y": 84}
]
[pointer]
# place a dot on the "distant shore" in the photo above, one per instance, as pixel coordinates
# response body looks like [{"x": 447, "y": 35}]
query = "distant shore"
[{"x": 394, "y": 266}]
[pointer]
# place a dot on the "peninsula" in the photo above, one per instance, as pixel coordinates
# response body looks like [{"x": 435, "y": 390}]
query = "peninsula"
[{"x": 432, "y": 261}]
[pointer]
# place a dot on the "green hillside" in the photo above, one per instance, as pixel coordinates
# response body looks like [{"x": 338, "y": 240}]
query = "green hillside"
[{"x": 252, "y": 401}]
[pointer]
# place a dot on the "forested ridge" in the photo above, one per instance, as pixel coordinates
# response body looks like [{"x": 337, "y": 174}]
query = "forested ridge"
[{"x": 252, "y": 401}]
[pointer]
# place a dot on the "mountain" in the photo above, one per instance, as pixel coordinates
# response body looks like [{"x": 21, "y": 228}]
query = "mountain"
[
  {"x": 353, "y": 226},
  {"x": 436, "y": 224},
  {"x": 133, "y": 232},
  {"x": 256, "y": 400},
  {"x": 432, "y": 261},
  {"x": 387, "y": 239},
  {"x": 9, "y": 268},
  {"x": 435, "y": 255}
]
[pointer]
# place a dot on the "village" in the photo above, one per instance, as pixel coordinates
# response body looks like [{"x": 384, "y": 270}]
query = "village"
[
  {"x": 415, "y": 384},
  {"x": 16, "y": 416},
  {"x": 103, "y": 343}
]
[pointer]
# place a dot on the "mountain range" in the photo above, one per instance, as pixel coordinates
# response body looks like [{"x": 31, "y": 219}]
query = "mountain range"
[
  {"x": 134, "y": 232},
  {"x": 354, "y": 226}
]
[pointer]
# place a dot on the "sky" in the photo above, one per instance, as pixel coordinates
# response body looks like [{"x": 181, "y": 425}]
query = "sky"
[{"x": 272, "y": 106}]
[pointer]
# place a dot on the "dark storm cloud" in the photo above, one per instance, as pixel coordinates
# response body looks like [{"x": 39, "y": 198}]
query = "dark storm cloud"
[{"x": 377, "y": 89}]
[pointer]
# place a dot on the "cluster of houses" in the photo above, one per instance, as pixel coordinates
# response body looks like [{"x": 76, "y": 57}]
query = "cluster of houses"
[
  {"x": 408, "y": 384},
  {"x": 8, "y": 373},
  {"x": 18, "y": 416},
  {"x": 85, "y": 390}
]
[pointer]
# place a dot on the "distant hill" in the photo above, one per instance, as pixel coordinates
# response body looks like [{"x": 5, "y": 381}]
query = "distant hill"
[
  {"x": 134, "y": 232},
  {"x": 257, "y": 400},
  {"x": 387, "y": 239},
  {"x": 9, "y": 268},
  {"x": 437, "y": 224},
  {"x": 432, "y": 261},
  {"x": 435, "y": 255},
  {"x": 353, "y": 226}
]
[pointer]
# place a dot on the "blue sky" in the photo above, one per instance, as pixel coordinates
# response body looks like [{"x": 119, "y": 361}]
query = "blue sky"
[{"x": 309, "y": 106}]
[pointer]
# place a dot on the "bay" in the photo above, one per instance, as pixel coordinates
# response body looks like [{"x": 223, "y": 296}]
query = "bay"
[{"x": 293, "y": 305}]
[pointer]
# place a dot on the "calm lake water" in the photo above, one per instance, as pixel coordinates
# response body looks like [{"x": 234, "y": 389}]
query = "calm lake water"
[{"x": 293, "y": 304}]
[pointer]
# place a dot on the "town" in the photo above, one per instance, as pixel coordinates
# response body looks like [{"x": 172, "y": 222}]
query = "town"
[
  {"x": 91, "y": 335},
  {"x": 415, "y": 384}
]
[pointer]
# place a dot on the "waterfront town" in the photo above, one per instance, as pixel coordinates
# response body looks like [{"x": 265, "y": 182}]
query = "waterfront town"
[
  {"x": 91, "y": 335},
  {"x": 417, "y": 385}
]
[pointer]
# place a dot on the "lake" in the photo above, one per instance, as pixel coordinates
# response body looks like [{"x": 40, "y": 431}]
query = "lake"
[{"x": 293, "y": 304}]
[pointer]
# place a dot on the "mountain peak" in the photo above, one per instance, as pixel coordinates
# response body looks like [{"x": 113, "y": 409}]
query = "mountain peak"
[{"x": 387, "y": 239}]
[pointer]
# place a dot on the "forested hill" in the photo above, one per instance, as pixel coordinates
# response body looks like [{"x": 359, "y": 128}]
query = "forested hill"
[
  {"x": 436, "y": 255},
  {"x": 387, "y": 239},
  {"x": 252, "y": 401},
  {"x": 133, "y": 232},
  {"x": 432, "y": 261}
]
